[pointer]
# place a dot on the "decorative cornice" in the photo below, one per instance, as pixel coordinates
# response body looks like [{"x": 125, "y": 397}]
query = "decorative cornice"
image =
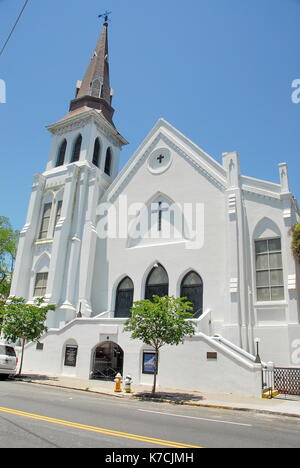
[
  {"x": 81, "y": 119},
  {"x": 107, "y": 133},
  {"x": 260, "y": 194},
  {"x": 67, "y": 126}
]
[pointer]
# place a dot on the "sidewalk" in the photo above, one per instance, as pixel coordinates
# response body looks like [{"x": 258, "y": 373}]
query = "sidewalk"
[{"x": 284, "y": 406}]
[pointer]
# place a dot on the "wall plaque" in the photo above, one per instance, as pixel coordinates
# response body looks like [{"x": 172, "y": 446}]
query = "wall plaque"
[
  {"x": 212, "y": 356},
  {"x": 71, "y": 356}
]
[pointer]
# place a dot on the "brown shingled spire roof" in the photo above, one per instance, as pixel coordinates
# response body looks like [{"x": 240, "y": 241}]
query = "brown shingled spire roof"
[{"x": 95, "y": 91}]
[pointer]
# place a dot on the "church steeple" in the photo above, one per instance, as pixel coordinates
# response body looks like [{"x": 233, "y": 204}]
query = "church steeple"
[{"x": 94, "y": 91}]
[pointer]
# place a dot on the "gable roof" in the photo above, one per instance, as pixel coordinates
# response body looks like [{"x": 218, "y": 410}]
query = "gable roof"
[{"x": 164, "y": 131}]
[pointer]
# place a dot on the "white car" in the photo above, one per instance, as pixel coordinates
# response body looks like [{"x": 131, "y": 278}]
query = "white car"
[{"x": 8, "y": 361}]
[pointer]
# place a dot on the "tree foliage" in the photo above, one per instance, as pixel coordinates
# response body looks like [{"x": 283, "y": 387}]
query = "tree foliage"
[
  {"x": 8, "y": 250},
  {"x": 25, "y": 322},
  {"x": 296, "y": 241},
  {"x": 165, "y": 321}
]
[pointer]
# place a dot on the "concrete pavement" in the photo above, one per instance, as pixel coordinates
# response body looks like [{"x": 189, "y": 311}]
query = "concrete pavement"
[
  {"x": 46, "y": 416},
  {"x": 286, "y": 406}
]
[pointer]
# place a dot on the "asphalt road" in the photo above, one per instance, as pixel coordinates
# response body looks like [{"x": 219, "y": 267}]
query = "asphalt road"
[{"x": 36, "y": 416}]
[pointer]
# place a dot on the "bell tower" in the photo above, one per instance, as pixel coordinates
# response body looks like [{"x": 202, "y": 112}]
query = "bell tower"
[
  {"x": 87, "y": 133},
  {"x": 57, "y": 245}
]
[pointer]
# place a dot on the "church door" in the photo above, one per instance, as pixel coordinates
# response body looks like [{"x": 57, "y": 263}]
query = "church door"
[
  {"x": 157, "y": 283},
  {"x": 108, "y": 361}
]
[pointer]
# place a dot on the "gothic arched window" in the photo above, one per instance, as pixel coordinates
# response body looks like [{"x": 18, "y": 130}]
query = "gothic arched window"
[
  {"x": 192, "y": 289},
  {"x": 77, "y": 149},
  {"x": 96, "y": 154},
  {"x": 157, "y": 283},
  {"x": 61, "y": 154},
  {"x": 124, "y": 298},
  {"x": 108, "y": 162}
]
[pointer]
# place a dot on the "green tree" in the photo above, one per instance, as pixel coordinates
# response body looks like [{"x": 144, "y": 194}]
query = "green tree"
[
  {"x": 8, "y": 249},
  {"x": 296, "y": 241},
  {"x": 165, "y": 321},
  {"x": 25, "y": 322}
]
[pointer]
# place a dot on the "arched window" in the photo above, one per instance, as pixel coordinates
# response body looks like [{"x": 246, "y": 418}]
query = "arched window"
[
  {"x": 96, "y": 154},
  {"x": 157, "y": 283},
  {"x": 108, "y": 162},
  {"x": 77, "y": 149},
  {"x": 124, "y": 298},
  {"x": 61, "y": 154},
  {"x": 192, "y": 289}
]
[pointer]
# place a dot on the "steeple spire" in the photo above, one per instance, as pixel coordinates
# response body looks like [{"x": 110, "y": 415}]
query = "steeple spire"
[{"x": 95, "y": 91}]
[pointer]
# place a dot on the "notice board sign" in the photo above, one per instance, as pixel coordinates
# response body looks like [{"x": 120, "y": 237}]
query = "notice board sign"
[{"x": 71, "y": 356}]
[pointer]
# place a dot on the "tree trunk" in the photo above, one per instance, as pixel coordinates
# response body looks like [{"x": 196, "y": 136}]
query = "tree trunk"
[
  {"x": 156, "y": 372},
  {"x": 22, "y": 356}
]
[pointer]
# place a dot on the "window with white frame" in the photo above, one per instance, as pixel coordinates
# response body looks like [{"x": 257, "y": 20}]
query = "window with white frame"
[
  {"x": 45, "y": 221},
  {"x": 269, "y": 270},
  {"x": 40, "y": 286}
]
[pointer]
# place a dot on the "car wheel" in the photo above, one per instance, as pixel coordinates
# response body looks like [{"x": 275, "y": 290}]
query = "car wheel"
[{"x": 3, "y": 376}]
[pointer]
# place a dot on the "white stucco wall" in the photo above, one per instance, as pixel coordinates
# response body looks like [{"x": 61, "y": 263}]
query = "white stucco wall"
[{"x": 184, "y": 367}]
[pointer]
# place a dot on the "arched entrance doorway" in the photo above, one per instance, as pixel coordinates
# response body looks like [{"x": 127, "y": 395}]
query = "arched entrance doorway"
[{"x": 107, "y": 361}]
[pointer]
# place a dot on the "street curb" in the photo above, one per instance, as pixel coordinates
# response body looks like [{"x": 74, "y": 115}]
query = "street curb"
[
  {"x": 224, "y": 407},
  {"x": 162, "y": 400}
]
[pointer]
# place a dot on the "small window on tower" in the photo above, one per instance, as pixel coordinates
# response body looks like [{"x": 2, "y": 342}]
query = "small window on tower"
[
  {"x": 45, "y": 221},
  {"x": 77, "y": 149},
  {"x": 61, "y": 154},
  {"x": 96, "y": 155},
  {"x": 108, "y": 162}
]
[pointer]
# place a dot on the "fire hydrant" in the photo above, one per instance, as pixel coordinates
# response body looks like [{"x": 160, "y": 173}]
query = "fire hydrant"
[
  {"x": 118, "y": 380},
  {"x": 128, "y": 382}
]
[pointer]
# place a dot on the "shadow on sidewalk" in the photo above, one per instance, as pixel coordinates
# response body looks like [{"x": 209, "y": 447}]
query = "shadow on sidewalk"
[
  {"x": 170, "y": 396},
  {"x": 35, "y": 377}
]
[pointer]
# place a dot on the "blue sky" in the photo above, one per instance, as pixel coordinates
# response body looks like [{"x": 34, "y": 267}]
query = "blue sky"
[{"x": 218, "y": 70}]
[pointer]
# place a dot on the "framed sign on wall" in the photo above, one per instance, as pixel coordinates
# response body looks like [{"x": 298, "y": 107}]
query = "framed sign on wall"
[
  {"x": 149, "y": 362},
  {"x": 71, "y": 355}
]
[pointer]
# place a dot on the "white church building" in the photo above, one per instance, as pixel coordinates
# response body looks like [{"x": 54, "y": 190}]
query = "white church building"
[{"x": 172, "y": 222}]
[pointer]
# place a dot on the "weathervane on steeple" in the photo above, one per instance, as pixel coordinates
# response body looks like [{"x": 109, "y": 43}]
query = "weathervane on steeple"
[{"x": 105, "y": 16}]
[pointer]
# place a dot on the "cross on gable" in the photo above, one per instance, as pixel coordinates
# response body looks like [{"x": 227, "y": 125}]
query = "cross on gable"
[
  {"x": 160, "y": 158},
  {"x": 160, "y": 211}
]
